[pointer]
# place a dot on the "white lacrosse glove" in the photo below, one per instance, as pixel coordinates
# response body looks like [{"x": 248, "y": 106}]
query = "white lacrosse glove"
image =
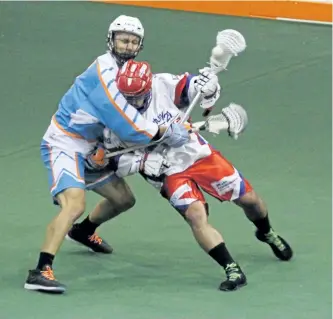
[
  {"x": 207, "y": 83},
  {"x": 153, "y": 164}
]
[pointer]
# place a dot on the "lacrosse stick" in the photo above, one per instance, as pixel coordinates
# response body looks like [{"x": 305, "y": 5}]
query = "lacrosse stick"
[
  {"x": 229, "y": 43},
  {"x": 232, "y": 119}
]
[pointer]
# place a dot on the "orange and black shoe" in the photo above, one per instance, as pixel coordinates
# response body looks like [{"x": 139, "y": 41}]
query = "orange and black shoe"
[
  {"x": 44, "y": 281},
  {"x": 93, "y": 242}
]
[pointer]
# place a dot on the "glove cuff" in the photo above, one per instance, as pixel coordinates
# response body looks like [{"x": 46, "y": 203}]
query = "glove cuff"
[{"x": 142, "y": 163}]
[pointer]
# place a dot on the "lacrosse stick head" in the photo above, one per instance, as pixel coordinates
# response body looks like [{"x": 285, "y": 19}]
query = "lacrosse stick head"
[
  {"x": 229, "y": 43},
  {"x": 232, "y": 119},
  {"x": 237, "y": 119}
]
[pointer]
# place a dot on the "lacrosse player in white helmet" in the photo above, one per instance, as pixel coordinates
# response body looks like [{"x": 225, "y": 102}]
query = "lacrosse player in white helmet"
[
  {"x": 181, "y": 173},
  {"x": 124, "y": 41},
  {"x": 91, "y": 104}
]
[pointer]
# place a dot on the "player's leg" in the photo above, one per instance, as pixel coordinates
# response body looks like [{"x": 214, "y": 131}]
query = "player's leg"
[
  {"x": 227, "y": 184},
  {"x": 118, "y": 198},
  {"x": 256, "y": 211},
  {"x": 204, "y": 233},
  {"x": 67, "y": 185},
  {"x": 185, "y": 196}
]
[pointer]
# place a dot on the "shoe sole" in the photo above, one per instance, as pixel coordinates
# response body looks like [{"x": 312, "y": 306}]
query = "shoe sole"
[
  {"x": 44, "y": 289},
  {"x": 67, "y": 237},
  {"x": 278, "y": 254},
  {"x": 237, "y": 288}
]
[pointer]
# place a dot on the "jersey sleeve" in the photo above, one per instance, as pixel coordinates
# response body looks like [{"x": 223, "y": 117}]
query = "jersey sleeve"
[
  {"x": 116, "y": 114},
  {"x": 181, "y": 87}
]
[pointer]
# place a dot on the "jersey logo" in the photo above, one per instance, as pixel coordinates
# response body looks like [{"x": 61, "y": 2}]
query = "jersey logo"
[{"x": 162, "y": 118}]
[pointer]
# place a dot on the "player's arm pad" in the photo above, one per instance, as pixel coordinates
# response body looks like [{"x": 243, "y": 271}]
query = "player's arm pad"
[{"x": 185, "y": 90}]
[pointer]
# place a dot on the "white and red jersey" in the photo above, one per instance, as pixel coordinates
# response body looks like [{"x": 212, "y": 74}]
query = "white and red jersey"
[
  {"x": 195, "y": 166},
  {"x": 171, "y": 95}
]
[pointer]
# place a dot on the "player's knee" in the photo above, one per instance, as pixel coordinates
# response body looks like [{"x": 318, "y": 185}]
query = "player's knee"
[
  {"x": 129, "y": 202},
  {"x": 72, "y": 202},
  {"x": 196, "y": 215},
  {"x": 124, "y": 205},
  {"x": 119, "y": 195},
  {"x": 252, "y": 202}
]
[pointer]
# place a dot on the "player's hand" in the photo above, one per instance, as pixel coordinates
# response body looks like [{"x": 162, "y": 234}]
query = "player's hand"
[
  {"x": 176, "y": 135},
  {"x": 207, "y": 82},
  {"x": 96, "y": 159},
  {"x": 153, "y": 164}
]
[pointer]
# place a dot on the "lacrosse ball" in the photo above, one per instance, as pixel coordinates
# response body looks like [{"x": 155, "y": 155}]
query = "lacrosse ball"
[{"x": 217, "y": 52}]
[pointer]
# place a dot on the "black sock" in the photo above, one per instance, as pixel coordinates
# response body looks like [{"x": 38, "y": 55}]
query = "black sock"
[
  {"x": 263, "y": 225},
  {"x": 221, "y": 255},
  {"x": 88, "y": 227},
  {"x": 44, "y": 259}
]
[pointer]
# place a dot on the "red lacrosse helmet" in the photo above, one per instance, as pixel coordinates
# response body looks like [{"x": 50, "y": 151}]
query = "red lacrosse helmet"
[{"x": 134, "y": 81}]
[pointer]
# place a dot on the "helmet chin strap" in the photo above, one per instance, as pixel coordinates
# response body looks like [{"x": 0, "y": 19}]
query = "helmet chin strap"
[{"x": 121, "y": 58}]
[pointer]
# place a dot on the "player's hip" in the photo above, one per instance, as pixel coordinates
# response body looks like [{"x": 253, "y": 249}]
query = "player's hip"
[
  {"x": 185, "y": 157},
  {"x": 214, "y": 174},
  {"x": 66, "y": 169},
  {"x": 55, "y": 138}
]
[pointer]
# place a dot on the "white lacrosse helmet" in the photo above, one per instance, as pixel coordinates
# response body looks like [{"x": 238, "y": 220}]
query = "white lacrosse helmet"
[
  {"x": 127, "y": 24},
  {"x": 131, "y": 25}
]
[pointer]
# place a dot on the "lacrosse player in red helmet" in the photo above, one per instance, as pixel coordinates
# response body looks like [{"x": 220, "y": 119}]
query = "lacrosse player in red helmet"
[{"x": 181, "y": 173}]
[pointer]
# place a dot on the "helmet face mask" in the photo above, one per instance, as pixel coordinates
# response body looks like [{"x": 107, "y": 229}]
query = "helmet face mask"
[
  {"x": 125, "y": 38},
  {"x": 140, "y": 102},
  {"x": 124, "y": 45}
]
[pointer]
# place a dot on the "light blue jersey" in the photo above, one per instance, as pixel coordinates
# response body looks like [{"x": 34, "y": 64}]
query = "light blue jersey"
[
  {"x": 94, "y": 101},
  {"x": 91, "y": 104}
]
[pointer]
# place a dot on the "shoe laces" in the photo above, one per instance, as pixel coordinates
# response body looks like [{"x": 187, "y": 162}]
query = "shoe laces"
[
  {"x": 233, "y": 272},
  {"x": 48, "y": 273},
  {"x": 274, "y": 239},
  {"x": 95, "y": 239}
]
